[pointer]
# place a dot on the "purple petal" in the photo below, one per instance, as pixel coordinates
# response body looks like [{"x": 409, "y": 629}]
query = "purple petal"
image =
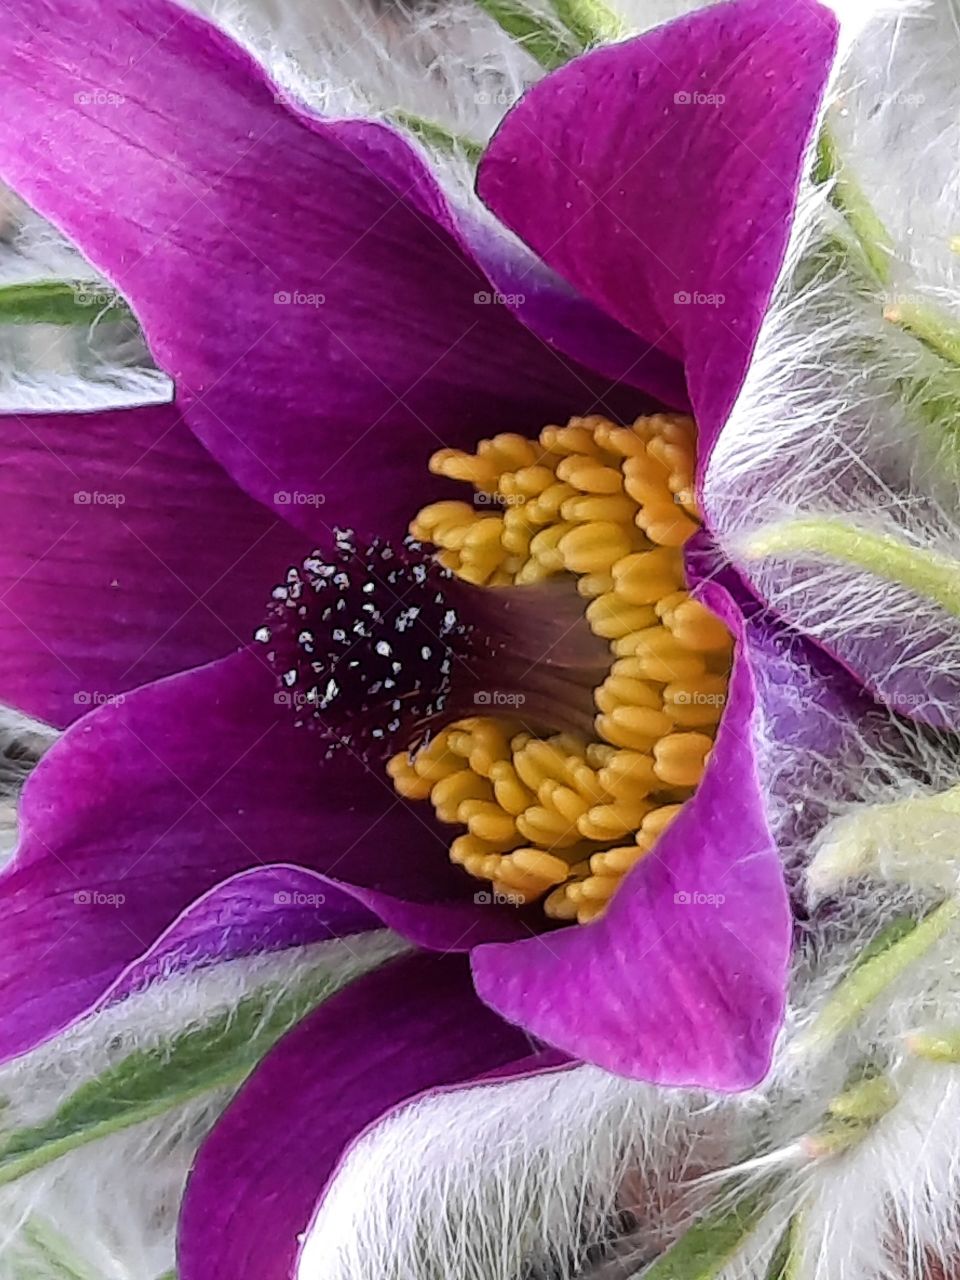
[
  {"x": 671, "y": 164},
  {"x": 266, "y": 909},
  {"x": 302, "y": 281},
  {"x": 127, "y": 554},
  {"x": 683, "y": 981},
  {"x": 148, "y": 804},
  {"x": 415, "y": 1026}
]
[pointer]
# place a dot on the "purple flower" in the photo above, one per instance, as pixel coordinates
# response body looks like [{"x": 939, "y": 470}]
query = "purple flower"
[{"x": 330, "y": 321}]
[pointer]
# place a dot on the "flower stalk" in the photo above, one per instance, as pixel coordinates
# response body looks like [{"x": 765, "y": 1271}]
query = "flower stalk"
[{"x": 935, "y": 577}]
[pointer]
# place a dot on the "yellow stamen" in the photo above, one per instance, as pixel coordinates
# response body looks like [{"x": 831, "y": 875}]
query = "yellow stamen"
[{"x": 552, "y": 818}]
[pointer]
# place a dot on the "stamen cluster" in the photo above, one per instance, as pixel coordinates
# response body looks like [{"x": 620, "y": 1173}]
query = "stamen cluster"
[{"x": 611, "y": 506}]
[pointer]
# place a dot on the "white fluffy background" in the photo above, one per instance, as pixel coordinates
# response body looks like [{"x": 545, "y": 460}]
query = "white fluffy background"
[{"x": 580, "y": 1176}]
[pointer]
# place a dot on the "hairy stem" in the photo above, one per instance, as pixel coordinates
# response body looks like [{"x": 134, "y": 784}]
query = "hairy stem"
[
  {"x": 933, "y": 576},
  {"x": 545, "y": 40}
]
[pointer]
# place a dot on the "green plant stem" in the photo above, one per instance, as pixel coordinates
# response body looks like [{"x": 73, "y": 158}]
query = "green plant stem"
[
  {"x": 933, "y": 576},
  {"x": 848, "y": 198},
  {"x": 932, "y": 327},
  {"x": 551, "y": 44},
  {"x": 437, "y": 136},
  {"x": 868, "y": 981},
  {"x": 64, "y": 302},
  {"x": 590, "y": 22}
]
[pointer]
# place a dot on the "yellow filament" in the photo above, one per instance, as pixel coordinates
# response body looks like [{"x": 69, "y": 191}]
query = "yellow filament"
[{"x": 559, "y": 818}]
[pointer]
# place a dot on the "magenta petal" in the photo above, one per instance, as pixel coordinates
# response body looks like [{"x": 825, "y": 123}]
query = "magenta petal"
[
  {"x": 301, "y": 281},
  {"x": 266, "y": 909},
  {"x": 412, "y": 1027},
  {"x": 671, "y": 163},
  {"x": 126, "y": 553},
  {"x": 683, "y": 981},
  {"x": 148, "y": 804}
]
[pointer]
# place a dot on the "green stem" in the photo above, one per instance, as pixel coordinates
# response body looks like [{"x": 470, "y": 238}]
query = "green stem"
[
  {"x": 53, "y": 1250},
  {"x": 868, "y": 981},
  {"x": 847, "y": 197},
  {"x": 933, "y": 576},
  {"x": 932, "y": 327},
  {"x": 550, "y": 44},
  {"x": 63, "y": 302},
  {"x": 590, "y": 22},
  {"x": 437, "y": 136}
]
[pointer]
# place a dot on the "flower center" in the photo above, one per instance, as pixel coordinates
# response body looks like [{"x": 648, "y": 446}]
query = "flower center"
[{"x": 606, "y": 509}]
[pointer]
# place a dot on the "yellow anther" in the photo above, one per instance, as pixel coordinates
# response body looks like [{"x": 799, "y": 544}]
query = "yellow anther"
[
  {"x": 590, "y": 475},
  {"x": 636, "y": 728},
  {"x": 559, "y": 906},
  {"x": 449, "y": 793},
  {"x": 666, "y": 523},
  {"x": 528, "y": 482},
  {"x": 657, "y": 821},
  {"x": 551, "y": 501},
  {"x": 696, "y": 703},
  {"x": 595, "y": 547},
  {"x": 644, "y": 577},
  {"x": 439, "y": 514},
  {"x": 571, "y": 439},
  {"x": 695, "y": 627},
  {"x": 590, "y": 911},
  {"x": 611, "y": 821},
  {"x": 594, "y": 584},
  {"x": 659, "y": 656},
  {"x": 680, "y": 758},
  {"x": 482, "y": 473},
  {"x": 568, "y": 803},
  {"x": 583, "y": 507},
  {"x": 547, "y": 828},
  {"x": 544, "y": 868},
  {"x": 611, "y": 616},
  {"x": 616, "y": 862},
  {"x": 629, "y": 773},
  {"x": 612, "y": 506},
  {"x": 486, "y": 820},
  {"x": 545, "y": 547},
  {"x": 509, "y": 450},
  {"x": 600, "y": 888},
  {"x": 406, "y": 781}
]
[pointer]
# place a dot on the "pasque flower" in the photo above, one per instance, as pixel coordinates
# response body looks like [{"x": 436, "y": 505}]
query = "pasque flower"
[{"x": 223, "y": 596}]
